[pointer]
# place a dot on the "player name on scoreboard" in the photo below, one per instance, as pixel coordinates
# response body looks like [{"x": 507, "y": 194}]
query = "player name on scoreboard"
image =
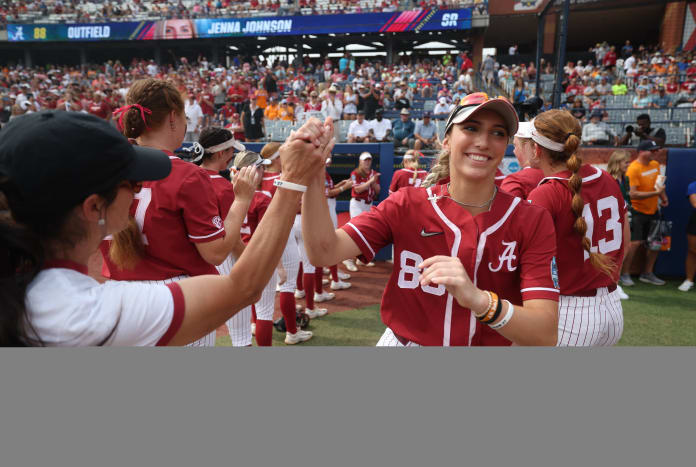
[{"x": 256, "y": 27}]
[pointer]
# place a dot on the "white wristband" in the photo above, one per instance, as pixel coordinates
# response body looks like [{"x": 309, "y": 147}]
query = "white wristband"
[
  {"x": 506, "y": 318},
  {"x": 289, "y": 185}
]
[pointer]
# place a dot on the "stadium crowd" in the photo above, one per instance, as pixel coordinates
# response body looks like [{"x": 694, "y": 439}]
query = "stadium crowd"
[{"x": 598, "y": 93}]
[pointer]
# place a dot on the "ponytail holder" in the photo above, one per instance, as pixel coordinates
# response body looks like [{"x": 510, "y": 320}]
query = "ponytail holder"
[
  {"x": 569, "y": 135},
  {"x": 121, "y": 112}
]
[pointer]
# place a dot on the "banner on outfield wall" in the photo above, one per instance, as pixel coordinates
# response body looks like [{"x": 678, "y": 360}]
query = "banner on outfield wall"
[{"x": 413, "y": 20}]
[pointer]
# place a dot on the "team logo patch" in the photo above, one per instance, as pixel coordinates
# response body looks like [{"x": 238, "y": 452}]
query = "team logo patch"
[
  {"x": 506, "y": 258},
  {"x": 554, "y": 272},
  {"x": 217, "y": 222}
]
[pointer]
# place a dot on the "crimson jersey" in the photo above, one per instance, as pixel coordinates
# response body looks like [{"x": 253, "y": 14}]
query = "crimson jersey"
[
  {"x": 499, "y": 177},
  {"x": 604, "y": 213},
  {"x": 328, "y": 183},
  {"x": 174, "y": 214},
  {"x": 404, "y": 177},
  {"x": 224, "y": 191},
  {"x": 257, "y": 208},
  {"x": 509, "y": 250},
  {"x": 368, "y": 195},
  {"x": 521, "y": 183},
  {"x": 267, "y": 181}
]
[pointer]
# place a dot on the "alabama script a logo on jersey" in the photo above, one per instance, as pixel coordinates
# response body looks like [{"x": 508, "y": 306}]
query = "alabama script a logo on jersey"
[{"x": 506, "y": 258}]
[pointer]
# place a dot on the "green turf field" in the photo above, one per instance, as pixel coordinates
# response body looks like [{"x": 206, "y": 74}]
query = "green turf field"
[{"x": 653, "y": 316}]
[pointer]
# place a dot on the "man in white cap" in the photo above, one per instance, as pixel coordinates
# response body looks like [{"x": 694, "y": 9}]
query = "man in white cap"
[
  {"x": 359, "y": 130},
  {"x": 332, "y": 105},
  {"x": 522, "y": 182},
  {"x": 442, "y": 108}
]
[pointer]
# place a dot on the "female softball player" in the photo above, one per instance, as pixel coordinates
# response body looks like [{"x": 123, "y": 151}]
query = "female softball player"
[
  {"x": 410, "y": 175},
  {"x": 48, "y": 298},
  {"x": 589, "y": 215},
  {"x": 290, "y": 259},
  {"x": 473, "y": 265},
  {"x": 265, "y": 306},
  {"x": 365, "y": 188},
  {"x": 178, "y": 230},
  {"x": 214, "y": 152},
  {"x": 522, "y": 182}
]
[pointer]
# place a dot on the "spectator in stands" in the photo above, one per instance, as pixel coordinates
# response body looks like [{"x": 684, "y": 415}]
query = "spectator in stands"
[
  {"x": 642, "y": 175},
  {"x": 643, "y": 132},
  {"x": 619, "y": 88},
  {"x": 332, "y": 105},
  {"x": 488, "y": 69},
  {"x": 286, "y": 111},
  {"x": 350, "y": 103},
  {"x": 369, "y": 100},
  {"x": 578, "y": 109},
  {"x": 575, "y": 88},
  {"x": 270, "y": 83},
  {"x": 99, "y": 107},
  {"x": 519, "y": 92},
  {"x": 642, "y": 100},
  {"x": 359, "y": 130},
  {"x": 598, "y": 133},
  {"x": 603, "y": 88},
  {"x": 403, "y": 129},
  {"x": 69, "y": 102},
  {"x": 425, "y": 134},
  {"x": 314, "y": 104},
  {"x": 381, "y": 127},
  {"x": 236, "y": 127},
  {"x": 253, "y": 121},
  {"x": 442, "y": 108},
  {"x": 194, "y": 117},
  {"x": 691, "y": 241},
  {"x": 272, "y": 111},
  {"x": 627, "y": 50},
  {"x": 661, "y": 100},
  {"x": 609, "y": 61}
]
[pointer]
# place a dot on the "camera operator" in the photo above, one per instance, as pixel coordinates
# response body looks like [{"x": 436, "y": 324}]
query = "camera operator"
[
  {"x": 643, "y": 132},
  {"x": 529, "y": 109}
]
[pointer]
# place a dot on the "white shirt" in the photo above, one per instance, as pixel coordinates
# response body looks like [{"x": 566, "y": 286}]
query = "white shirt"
[
  {"x": 442, "y": 108},
  {"x": 380, "y": 128},
  {"x": 628, "y": 63},
  {"x": 152, "y": 69},
  {"x": 66, "y": 307},
  {"x": 194, "y": 114},
  {"x": 332, "y": 108},
  {"x": 358, "y": 129}
]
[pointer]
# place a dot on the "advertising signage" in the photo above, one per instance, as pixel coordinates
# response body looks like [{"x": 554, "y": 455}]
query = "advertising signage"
[{"x": 412, "y": 20}]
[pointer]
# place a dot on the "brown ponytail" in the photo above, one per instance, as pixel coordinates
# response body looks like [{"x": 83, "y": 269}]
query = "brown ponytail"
[
  {"x": 160, "y": 98},
  {"x": 561, "y": 126}
]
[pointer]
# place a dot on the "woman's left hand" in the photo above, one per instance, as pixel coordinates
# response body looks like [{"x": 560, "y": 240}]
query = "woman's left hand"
[
  {"x": 449, "y": 271},
  {"x": 245, "y": 182}
]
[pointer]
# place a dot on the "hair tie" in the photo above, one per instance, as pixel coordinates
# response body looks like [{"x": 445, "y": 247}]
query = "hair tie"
[
  {"x": 569, "y": 135},
  {"x": 121, "y": 112}
]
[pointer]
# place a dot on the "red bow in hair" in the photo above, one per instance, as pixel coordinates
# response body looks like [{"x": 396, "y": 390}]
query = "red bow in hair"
[{"x": 121, "y": 112}]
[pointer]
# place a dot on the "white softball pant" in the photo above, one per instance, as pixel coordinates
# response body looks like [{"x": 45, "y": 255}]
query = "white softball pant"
[
  {"x": 358, "y": 206},
  {"x": 332, "y": 211},
  {"x": 291, "y": 262},
  {"x": 206, "y": 341},
  {"x": 239, "y": 326},
  {"x": 590, "y": 321},
  {"x": 307, "y": 268},
  {"x": 388, "y": 339},
  {"x": 266, "y": 304}
]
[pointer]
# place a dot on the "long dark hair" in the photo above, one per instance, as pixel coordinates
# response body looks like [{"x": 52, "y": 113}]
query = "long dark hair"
[
  {"x": 27, "y": 239},
  {"x": 212, "y": 136}
]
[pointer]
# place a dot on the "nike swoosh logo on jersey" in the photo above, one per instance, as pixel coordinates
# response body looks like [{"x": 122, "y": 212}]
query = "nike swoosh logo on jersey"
[{"x": 429, "y": 234}]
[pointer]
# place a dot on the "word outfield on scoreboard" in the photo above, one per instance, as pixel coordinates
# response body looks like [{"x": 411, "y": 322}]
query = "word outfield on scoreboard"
[{"x": 400, "y": 21}]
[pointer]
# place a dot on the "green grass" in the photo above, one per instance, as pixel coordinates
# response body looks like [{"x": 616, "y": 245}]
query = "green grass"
[
  {"x": 653, "y": 316},
  {"x": 361, "y": 327},
  {"x": 659, "y": 315}
]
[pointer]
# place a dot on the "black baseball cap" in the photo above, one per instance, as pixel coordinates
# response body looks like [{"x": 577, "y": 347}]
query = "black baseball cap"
[
  {"x": 648, "y": 145},
  {"x": 57, "y": 158}
]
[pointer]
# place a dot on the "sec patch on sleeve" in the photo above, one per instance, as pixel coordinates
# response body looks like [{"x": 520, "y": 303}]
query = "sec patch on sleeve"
[
  {"x": 217, "y": 222},
  {"x": 554, "y": 272}
]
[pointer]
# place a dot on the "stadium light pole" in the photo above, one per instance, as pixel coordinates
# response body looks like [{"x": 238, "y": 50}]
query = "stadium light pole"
[
  {"x": 541, "y": 25},
  {"x": 561, "y": 54}
]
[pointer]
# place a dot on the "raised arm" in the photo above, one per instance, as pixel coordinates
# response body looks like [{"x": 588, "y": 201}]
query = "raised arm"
[{"x": 211, "y": 300}]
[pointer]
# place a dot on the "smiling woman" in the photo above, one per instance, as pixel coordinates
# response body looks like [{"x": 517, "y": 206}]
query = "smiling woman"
[{"x": 472, "y": 265}]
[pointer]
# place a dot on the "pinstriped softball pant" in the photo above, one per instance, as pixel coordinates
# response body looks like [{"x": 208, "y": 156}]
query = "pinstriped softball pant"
[
  {"x": 590, "y": 321},
  {"x": 239, "y": 325},
  {"x": 206, "y": 341}
]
